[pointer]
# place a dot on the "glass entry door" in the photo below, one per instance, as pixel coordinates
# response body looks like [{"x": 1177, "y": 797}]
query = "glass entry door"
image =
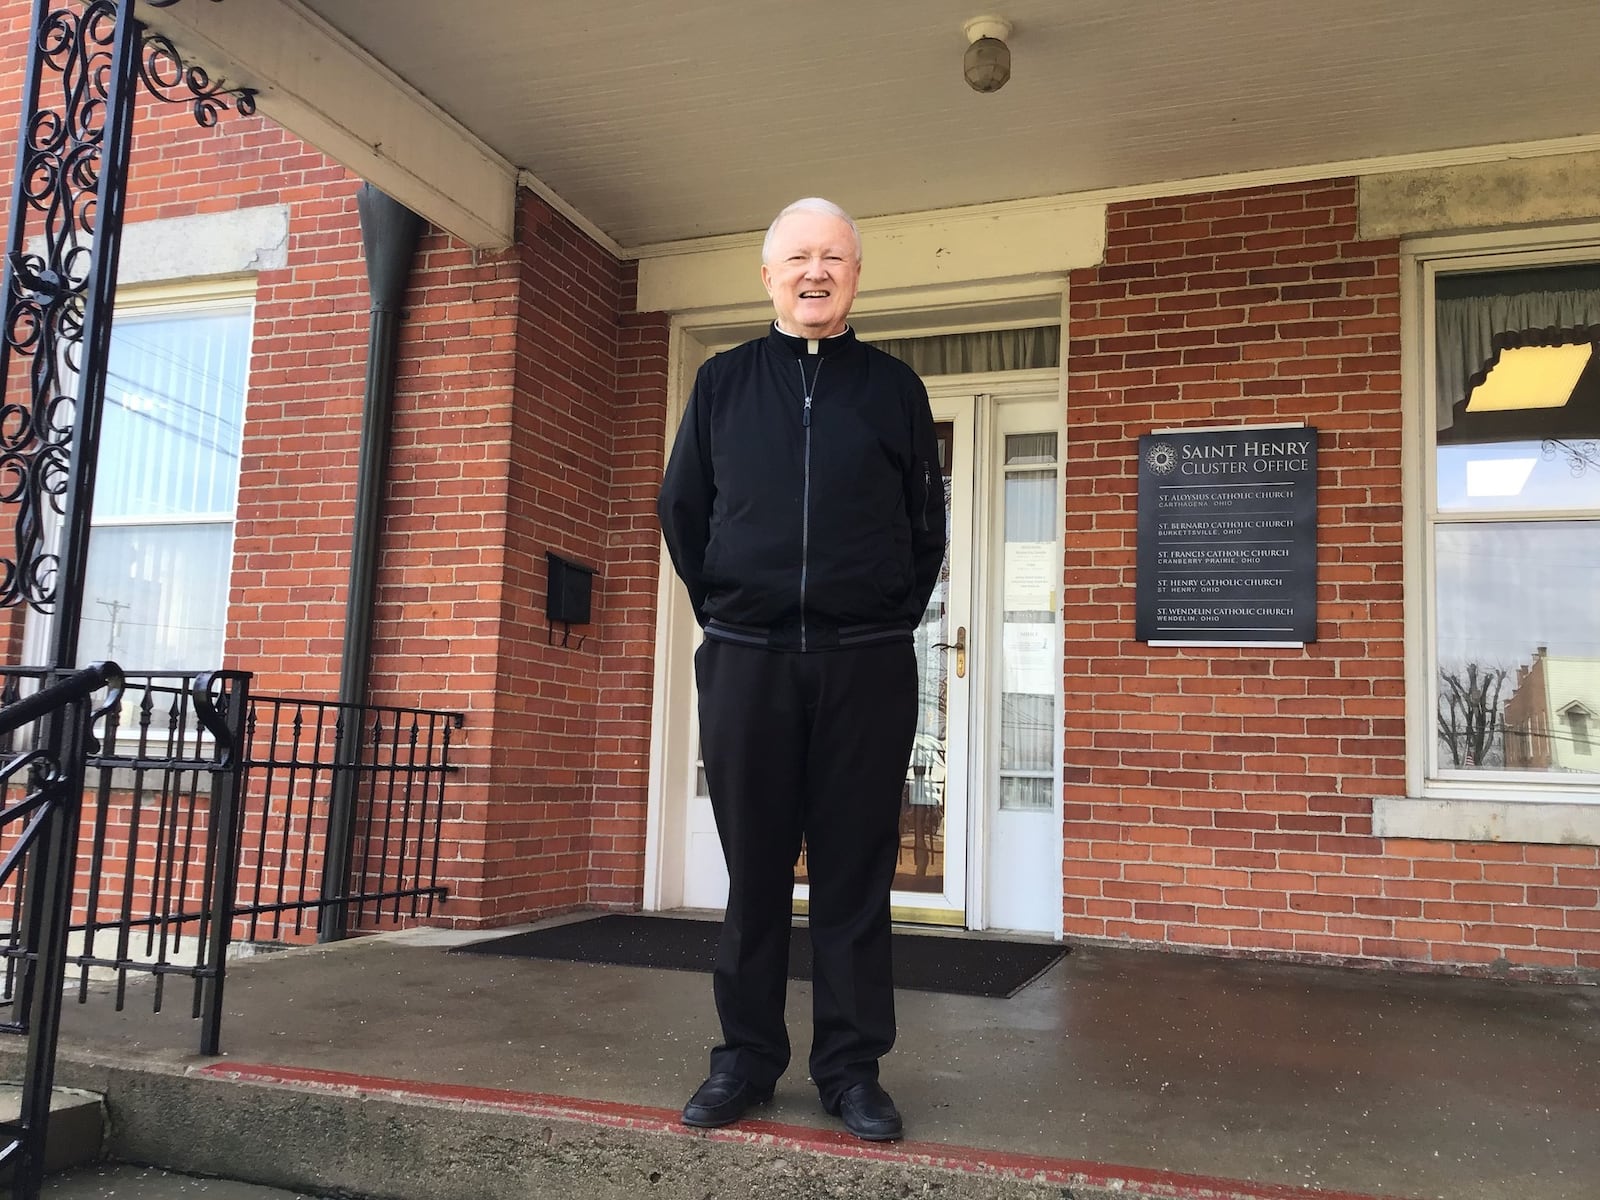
[
  {"x": 980, "y": 818},
  {"x": 930, "y": 878},
  {"x": 930, "y": 881}
]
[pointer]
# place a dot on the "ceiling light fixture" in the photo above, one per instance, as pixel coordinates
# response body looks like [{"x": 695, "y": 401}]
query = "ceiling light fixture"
[
  {"x": 1498, "y": 476},
  {"x": 1531, "y": 377},
  {"x": 987, "y": 62}
]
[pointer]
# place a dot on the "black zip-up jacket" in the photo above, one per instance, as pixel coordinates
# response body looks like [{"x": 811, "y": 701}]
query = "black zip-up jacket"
[{"x": 803, "y": 503}]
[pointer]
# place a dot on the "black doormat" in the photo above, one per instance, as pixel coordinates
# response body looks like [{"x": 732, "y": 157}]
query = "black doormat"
[{"x": 922, "y": 962}]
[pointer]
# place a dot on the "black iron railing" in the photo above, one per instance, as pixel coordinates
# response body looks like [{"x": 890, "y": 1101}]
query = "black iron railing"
[
  {"x": 43, "y": 784},
  {"x": 209, "y": 816},
  {"x": 342, "y": 792},
  {"x": 155, "y": 877}
]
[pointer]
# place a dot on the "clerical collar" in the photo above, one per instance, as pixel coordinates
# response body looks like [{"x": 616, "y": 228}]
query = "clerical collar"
[{"x": 834, "y": 344}]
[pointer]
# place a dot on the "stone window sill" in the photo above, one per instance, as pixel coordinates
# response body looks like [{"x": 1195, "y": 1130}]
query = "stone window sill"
[{"x": 1558, "y": 822}]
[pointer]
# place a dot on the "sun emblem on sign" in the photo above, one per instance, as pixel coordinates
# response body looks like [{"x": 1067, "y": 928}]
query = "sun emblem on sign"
[{"x": 1161, "y": 458}]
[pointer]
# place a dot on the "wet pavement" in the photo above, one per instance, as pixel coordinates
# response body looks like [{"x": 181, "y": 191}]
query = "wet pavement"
[{"x": 1347, "y": 1081}]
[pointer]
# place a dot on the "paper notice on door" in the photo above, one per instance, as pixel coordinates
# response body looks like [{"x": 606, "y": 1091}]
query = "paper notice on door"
[
  {"x": 1029, "y": 664},
  {"x": 1033, "y": 572}
]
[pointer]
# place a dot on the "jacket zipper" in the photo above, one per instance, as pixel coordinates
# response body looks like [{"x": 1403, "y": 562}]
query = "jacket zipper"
[{"x": 805, "y": 496}]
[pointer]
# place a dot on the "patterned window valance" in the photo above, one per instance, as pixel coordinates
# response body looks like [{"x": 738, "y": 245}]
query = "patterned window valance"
[{"x": 1478, "y": 316}]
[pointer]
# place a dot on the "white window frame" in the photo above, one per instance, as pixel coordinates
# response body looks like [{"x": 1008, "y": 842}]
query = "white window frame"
[
  {"x": 233, "y": 294},
  {"x": 1510, "y": 806}
]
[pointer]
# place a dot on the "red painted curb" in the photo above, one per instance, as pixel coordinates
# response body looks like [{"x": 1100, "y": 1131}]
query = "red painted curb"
[{"x": 1034, "y": 1168}]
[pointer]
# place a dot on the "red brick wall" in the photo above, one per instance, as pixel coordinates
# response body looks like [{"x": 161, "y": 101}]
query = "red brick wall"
[
  {"x": 525, "y": 408},
  {"x": 1222, "y": 798},
  {"x": 541, "y": 758},
  {"x": 514, "y": 403},
  {"x": 301, "y": 436},
  {"x": 622, "y": 728}
]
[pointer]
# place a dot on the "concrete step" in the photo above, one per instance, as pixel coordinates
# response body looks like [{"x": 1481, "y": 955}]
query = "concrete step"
[
  {"x": 111, "y": 1182},
  {"x": 77, "y": 1131},
  {"x": 318, "y": 1133}
]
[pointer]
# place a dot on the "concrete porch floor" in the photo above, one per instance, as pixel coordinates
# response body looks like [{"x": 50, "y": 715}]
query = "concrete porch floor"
[{"x": 1162, "y": 1074}]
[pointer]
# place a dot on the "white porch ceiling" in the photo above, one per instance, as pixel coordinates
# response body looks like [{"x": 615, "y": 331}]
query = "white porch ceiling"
[{"x": 659, "y": 123}]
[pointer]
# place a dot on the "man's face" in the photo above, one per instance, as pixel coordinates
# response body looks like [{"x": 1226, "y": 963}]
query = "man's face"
[{"x": 812, "y": 273}]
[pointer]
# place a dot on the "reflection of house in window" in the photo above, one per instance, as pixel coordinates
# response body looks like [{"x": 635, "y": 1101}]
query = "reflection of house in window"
[
  {"x": 1512, "y": 539},
  {"x": 1549, "y": 717},
  {"x": 1577, "y": 715},
  {"x": 1519, "y": 748}
]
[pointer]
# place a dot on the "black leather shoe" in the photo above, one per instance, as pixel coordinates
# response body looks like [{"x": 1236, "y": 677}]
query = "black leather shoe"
[
  {"x": 722, "y": 1100},
  {"x": 867, "y": 1112}
]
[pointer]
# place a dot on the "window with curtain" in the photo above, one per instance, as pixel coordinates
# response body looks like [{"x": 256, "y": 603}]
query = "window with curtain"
[
  {"x": 972, "y": 353},
  {"x": 1513, "y": 538},
  {"x": 156, "y": 588}
]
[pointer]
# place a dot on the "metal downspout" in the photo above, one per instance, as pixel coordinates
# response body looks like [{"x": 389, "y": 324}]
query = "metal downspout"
[{"x": 389, "y": 233}]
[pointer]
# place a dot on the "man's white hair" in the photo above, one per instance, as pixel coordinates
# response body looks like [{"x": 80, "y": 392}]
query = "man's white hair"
[{"x": 811, "y": 204}]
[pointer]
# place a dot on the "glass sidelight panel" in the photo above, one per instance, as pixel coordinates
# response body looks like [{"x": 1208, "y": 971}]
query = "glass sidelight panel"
[{"x": 1030, "y": 658}]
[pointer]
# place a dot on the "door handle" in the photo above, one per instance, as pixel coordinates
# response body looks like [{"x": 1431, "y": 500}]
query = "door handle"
[{"x": 960, "y": 647}]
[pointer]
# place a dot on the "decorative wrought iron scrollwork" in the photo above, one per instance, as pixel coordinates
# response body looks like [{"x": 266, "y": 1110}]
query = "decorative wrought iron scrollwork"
[
  {"x": 169, "y": 78},
  {"x": 49, "y": 263},
  {"x": 1582, "y": 457},
  {"x": 84, "y": 63}
]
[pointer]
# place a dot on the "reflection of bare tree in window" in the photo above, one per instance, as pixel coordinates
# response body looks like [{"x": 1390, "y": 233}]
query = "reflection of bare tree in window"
[{"x": 1469, "y": 713}]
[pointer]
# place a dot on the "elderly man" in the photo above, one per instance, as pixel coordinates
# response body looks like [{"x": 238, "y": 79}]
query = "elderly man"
[{"x": 803, "y": 507}]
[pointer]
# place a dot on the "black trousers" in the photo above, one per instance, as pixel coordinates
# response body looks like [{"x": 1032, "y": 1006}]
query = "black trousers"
[{"x": 814, "y": 746}]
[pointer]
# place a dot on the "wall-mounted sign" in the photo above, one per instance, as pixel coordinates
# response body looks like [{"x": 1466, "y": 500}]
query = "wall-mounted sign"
[{"x": 1227, "y": 549}]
